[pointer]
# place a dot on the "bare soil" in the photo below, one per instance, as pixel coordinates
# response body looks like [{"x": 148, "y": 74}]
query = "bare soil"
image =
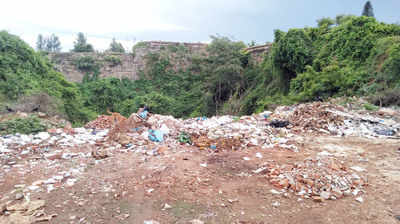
[{"x": 129, "y": 188}]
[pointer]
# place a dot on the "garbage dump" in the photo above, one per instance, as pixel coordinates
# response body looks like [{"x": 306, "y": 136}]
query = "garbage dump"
[{"x": 318, "y": 178}]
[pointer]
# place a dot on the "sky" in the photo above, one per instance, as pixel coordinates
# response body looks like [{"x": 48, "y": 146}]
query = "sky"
[{"x": 130, "y": 21}]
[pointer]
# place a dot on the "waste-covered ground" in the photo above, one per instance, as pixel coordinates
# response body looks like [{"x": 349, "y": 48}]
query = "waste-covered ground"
[{"x": 308, "y": 163}]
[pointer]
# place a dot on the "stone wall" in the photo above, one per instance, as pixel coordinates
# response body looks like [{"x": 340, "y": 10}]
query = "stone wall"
[
  {"x": 131, "y": 63},
  {"x": 257, "y": 53}
]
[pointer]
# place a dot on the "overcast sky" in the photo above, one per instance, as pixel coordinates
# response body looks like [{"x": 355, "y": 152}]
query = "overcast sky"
[{"x": 173, "y": 20}]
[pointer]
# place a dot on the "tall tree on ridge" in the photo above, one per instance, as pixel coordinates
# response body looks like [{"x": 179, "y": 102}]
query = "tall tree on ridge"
[
  {"x": 81, "y": 45},
  {"x": 368, "y": 10},
  {"x": 40, "y": 43}
]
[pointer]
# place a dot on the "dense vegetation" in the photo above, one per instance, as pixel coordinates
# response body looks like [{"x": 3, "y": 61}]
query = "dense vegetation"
[
  {"x": 23, "y": 72},
  {"x": 344, "y": 56}
]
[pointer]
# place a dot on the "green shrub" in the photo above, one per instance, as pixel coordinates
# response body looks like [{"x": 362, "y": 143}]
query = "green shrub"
[
  {"x": 370, "y": 107},
  {"x": 86, "y": 64},
  {"x": 22, "y": 125},
  {"x": 113, "y": 60},
  {"x": 23, "y": 72},
  {"x": 292, "y": 52}
]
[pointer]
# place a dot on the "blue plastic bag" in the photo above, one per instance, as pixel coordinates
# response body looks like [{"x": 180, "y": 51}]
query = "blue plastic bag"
[
  {"x": 143, "y": 114},
  {"x": 156, "y": 135}
]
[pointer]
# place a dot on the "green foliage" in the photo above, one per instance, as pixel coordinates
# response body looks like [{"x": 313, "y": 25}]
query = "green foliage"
[
  {"x": 102, "y": 94},
  {"x": 351, "y": 42},
  {"x": 81, "y": 45},
  {"x": 140, "y": 44},
  {"x": 384, "y": 62},
  {"x": 368, "y": 10},
  {"x": 342, "y": 18},
  {"x": 370, "y": 107},
  {"x": 24, "y": 72},
  {"x": 86, "y": 64},
  {"x": 22, "y": 125},
  {"x": 292, "y": 52},
  {"x": 325, "y": 22},
  {"x": 48, "y": 44},
  {"x": 113, "y": 60},
  {"x": 116, "y": 47},
  {"x": 224, "y": 69}
]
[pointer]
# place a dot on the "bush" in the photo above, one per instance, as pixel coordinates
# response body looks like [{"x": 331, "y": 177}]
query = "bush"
[
  {"x": 113, "y": 60},
  {"x": 86, "y": 64},
  {"x": 22, "y": 125},
  {"x": 292, "y": 52},
  {"x": 384, "y": 61},
  {"x": 23, "y": 72}
]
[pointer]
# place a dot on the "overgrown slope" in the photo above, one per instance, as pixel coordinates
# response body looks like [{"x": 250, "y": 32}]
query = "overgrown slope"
[{"x": 24, "y": 72}]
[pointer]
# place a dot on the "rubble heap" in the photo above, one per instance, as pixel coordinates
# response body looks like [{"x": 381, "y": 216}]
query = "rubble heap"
[
  {"x": 320, "y": 178},
  {"x": 105, "y": 121}
]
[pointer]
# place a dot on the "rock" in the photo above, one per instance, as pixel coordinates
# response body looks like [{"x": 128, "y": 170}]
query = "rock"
[
  {"x": 360, "y": 199},
  {"x": 167, "y": 206},
  {"x": 99, "y": 154},
  {"x": 3, "y": 208},
  {"x": 387, "y": 111},
  {"x": 43, "y": 135},
  {"x": 41, "y": 115},
  {"x": 397, "y": 217},
  {"x": 276, "y": 204},
  {"x": 196, "y": 221},
  {"x": 357, "y": 168},
  {"x": 318, "y": 199},
  {"x": 19, "y": 196},
  {"x": 273, "y": 191},
  {"x": 18, "y": 207},
  {"x": 17, "y": 218},
  {"x": 325, "y": 195}
]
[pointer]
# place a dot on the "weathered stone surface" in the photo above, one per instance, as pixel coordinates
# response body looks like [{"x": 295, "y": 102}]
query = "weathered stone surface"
[{"x": 131, "y": 63}]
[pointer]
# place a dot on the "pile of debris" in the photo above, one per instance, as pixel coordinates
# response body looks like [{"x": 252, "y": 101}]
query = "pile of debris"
[
  {"x": 332, "y": 119},
  {"x": 320, "y": 178},
  {"x": 105, "y": 121},
  {"x": 313, "y": 117}
]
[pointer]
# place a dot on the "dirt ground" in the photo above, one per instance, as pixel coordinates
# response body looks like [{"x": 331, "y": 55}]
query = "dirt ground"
[{"x": 186, "y": 184}]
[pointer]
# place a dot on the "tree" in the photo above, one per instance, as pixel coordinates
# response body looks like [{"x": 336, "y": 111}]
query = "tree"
[
  {"x": 224, "y": 68},
  {"x": 116, "y": 47},
  {"x": 52, "y": 44},
  {"x": 40, "y": 43},
  {"x": 81, "y": 45},
  {"x": 49, "y": 43},
  {"x": 342, "y": 18},
  {"x": 325, "y": 22},
  {"x": 368, "y": 10}
]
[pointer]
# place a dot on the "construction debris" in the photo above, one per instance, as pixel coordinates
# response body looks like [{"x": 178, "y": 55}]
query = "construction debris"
[{"x": 318, "y": 177}]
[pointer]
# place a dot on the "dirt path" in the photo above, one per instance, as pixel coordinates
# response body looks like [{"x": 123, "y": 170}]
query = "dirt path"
[{"x": 186, "y": 184}]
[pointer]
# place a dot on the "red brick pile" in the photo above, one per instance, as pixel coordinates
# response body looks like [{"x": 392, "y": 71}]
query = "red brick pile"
[
  {"x": 105, "y": 121},
  {"x": 320, "y": 179}
]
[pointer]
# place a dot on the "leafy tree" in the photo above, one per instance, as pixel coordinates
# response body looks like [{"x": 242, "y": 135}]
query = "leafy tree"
[
  {"x": 52, "y": 44},
  {"x": 224, "y": 69},
  {"x": 81, "y": 45},
  {"x": 40, "y": 43},
  {"x": 368, "y": 10},
  {"x": 342, "y": 18},
  {"x": 116, "y": 47},
  {"x": 291, "y": 52},
  {"x": 325, "y": 22}
]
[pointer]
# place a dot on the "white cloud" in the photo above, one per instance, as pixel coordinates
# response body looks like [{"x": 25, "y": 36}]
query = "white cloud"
[{"x": 97, "y": 19}]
